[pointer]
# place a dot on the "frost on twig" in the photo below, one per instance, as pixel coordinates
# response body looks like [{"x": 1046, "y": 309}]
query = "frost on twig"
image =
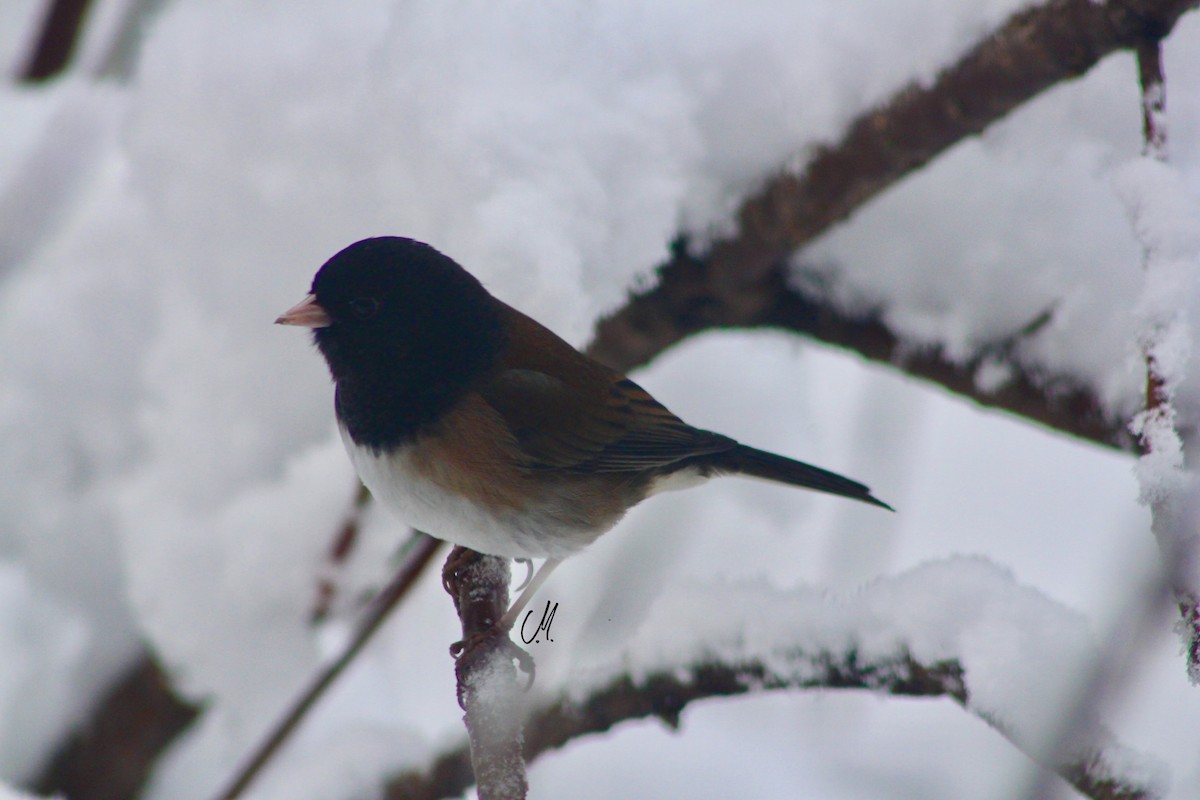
[
  {"x": 1166, "y": 222},
  {"x": 1006, "y": 653},
  {"x": 488, "y": 690}
]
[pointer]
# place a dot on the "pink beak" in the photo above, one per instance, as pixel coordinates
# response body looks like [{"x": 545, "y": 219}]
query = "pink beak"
[{"x": 308, "y": 313}]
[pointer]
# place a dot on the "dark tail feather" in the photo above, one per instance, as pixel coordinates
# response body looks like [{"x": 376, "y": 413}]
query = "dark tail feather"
[{"x": 761, "y": 464}]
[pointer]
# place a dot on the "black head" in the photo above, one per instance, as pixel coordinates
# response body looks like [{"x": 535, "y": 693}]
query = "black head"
[{"x": 408, "y": 331}]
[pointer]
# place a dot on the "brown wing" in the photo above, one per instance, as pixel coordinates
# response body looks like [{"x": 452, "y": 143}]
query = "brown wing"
[{"x": 567, "y": 411}]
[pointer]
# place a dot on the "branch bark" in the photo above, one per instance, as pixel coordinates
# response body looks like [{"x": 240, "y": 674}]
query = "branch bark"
[
  {"x": 110, "y": 757},
  {"x": 56, "y": 41}
]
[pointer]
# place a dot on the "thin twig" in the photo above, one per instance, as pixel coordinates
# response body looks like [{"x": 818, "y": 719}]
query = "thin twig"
[
  {"x": 1132, "y": 630},
  {"x": 405, "y": 578},
  {"x": 343, "y": 544},
  {"x": 56, "y": 42}
]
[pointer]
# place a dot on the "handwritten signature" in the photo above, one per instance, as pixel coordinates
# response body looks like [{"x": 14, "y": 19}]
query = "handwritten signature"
[{"x": 542, "y": 627}]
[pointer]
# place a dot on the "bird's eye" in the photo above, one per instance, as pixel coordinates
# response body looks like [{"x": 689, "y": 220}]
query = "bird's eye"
[{"x": 364, "y": 307}]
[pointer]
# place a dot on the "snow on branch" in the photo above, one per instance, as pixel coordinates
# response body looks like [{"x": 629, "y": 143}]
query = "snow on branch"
[
  {"x": 961, "y": 628},
  {"x": 1057, "y": 401},
  {"x": 1166, "y": 222},
  {"x": 737, "y": 281},
  {"x": 488, "y": 689}
]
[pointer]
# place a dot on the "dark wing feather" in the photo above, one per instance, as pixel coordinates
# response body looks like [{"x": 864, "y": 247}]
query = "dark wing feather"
[{"x": 569, "y": 412}]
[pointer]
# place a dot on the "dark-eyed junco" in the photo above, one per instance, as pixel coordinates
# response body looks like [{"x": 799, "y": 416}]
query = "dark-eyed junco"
[{"x": 478, "y": 425}]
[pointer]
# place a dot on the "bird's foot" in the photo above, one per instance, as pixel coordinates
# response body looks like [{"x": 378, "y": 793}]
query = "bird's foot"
[
  {"x": 460, "y": 557},
  {"x": 473, "y": 651}
]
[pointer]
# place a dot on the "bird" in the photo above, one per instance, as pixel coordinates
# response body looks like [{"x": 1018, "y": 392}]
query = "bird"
[{"x": 478, "y": 425}]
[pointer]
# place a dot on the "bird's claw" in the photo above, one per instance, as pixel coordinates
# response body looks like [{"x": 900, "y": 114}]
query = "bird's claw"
[{"x": 484, "y": 644}]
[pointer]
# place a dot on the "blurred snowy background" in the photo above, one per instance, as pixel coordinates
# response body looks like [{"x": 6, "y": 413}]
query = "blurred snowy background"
[{"x": 170, "y": 475}]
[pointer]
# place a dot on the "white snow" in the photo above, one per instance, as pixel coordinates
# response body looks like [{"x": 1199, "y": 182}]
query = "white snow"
[
  {"x": 1021, "y": 654},
  {"x": 1166, "y": 222},
  {"x": 9, "y": 793},
  {"x": 173, "y": 477}
]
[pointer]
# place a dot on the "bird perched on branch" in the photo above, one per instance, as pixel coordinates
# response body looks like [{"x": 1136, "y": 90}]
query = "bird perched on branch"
[{"x": 478, "y": 425}]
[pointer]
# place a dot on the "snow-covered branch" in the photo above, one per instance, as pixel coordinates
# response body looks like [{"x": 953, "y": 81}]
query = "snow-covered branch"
[
  {"x": 993, "y": 376},
  {"x": 1166, "y": 222},
  {"x": 1004, "y": 652},
  {"x": 737, "y": 281}
]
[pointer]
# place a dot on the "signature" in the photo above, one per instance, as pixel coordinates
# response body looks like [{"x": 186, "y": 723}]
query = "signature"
[{"x": 542, "y": 627}]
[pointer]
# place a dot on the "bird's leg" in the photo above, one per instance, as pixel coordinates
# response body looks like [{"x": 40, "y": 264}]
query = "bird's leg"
[{"x": 531, "y": 587}]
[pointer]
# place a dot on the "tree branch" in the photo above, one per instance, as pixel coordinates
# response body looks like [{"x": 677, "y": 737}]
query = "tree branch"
[
  {"x": 1056, "y": 401},
  {"x": 777, "y": 302},
  {"x": 883, "y": 638},
  {"x": 738, "y": 280},
  {"x": 421, "y": 553},
  {"x": 110, "y": 756},
  {"x": 340, "y": 549},
  {"x": 56, "y": 42},
  {"x": 1164, "y": 475},
  {"x": 666, "y": 693}
]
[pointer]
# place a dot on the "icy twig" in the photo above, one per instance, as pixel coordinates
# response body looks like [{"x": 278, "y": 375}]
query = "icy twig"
[
  {"x": 1167, "y": 225},
  {"x": 488, "y": 689}
]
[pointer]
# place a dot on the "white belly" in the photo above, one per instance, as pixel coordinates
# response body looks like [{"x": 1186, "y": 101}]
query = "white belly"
[{"x": 426, "y": 506}]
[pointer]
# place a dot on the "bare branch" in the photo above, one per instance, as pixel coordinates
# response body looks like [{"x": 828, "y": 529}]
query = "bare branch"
[
  {"x": 56, "y": 41},
  {"x": 401, "y": 584},
  {"x": 110, "y": 757},
  {"x": 343, "y": 544}
]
